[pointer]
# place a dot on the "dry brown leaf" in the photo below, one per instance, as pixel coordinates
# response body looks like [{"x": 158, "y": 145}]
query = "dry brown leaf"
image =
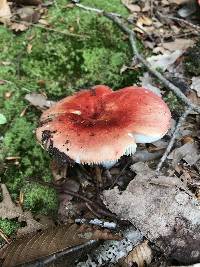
[
  {"x": 144, "y": 21},
  {"x": 28, "y": 14},
  {"x": 132, "y": 7},
  {"x": 140, "y": 255},
  {"x": 178, "y": 44},
  {"x": 8, "y": 210},
  {"x": 38, "y": 100},
  {"x": 188, "y": 152},
  {"x": 5, "y": 12},
  {"x": 50, "y": 241},
  {"x": 43, "y": 22},
  {"x": 18, "y": 27}
]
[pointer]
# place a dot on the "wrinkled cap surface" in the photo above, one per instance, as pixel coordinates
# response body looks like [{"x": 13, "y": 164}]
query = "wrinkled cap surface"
[{"x": 99, "y": 125}]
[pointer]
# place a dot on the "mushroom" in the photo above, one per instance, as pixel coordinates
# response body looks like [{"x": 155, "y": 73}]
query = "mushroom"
[{"x": 98, "y": 126}]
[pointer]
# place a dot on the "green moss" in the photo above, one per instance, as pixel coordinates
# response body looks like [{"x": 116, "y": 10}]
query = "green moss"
[
  {"x": 192, "y": 60},
  {"x": 40, "y": 198},
  {"x": 173, "y": 103},
  {"x": 8, "y": 227},
  {"x": 64, "y": 64}
]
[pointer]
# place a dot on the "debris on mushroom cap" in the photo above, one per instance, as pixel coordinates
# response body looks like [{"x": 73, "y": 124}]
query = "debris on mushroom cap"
[{"x": 99, "y": 125}]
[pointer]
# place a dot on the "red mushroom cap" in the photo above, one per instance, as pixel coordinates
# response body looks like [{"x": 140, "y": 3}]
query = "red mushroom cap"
[{"x": 99, "y": 125}]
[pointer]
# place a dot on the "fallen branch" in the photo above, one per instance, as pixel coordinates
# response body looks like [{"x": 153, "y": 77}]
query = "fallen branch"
[
  {"x": 69, "y": 34},
  {"x": 171, "y": 143},
  {"x": 132, "y": 38}
]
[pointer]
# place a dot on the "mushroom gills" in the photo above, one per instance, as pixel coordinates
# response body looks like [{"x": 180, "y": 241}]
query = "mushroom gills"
[{"x": 130, "y": 150}]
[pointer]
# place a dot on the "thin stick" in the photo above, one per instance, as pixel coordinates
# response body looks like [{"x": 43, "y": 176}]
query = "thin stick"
[
  {"x": 51, "y": 29},
  {"x": 91, "y": 203},
  {"x": 171, "y": 143},
  {"x": 100, "y": 11},
  {"x": 4, "y": 236},
  {"x": 136, "y": 53},
  {"x": 187, "y": 23}
]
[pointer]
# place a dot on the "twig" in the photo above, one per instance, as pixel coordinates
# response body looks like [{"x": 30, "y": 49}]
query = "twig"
[
  {"x": 171, "y": 143},
  {"x": 187, "y": 23},
  {"x": 4, "y": 236},
  {"x": 97, "y": 208},
  {"x": 94, "y": 212},
  {"x": 101, "y": 223},
  {"x": 52, "y": 258},
  {"x": 119, "y": 175},
  {"x": 51, "y": 29},
  {"x": 136, "y": 53},
  {"x": 100, "y": 11}
]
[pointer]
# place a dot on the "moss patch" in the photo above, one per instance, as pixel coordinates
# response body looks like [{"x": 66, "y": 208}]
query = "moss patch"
[
  {"x": 8, "y": 227},
  {"x": 40, "y": 198},
  {"x": 57, "y": 65},
  {"x": 192, "y": 60}
]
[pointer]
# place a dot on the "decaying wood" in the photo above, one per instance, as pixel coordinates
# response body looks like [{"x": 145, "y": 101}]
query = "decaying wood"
[
  {"x": 163, "y": 209},
  {"x": 112, "y": 251}
]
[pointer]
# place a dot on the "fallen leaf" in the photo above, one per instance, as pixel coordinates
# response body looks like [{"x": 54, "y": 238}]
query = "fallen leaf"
[
  {"x": 164, "y": 61},
  {"x": 143, "y": 20},
  {"x": 8, "y": 210},
  {"x": 67, "y": 209},
  {"x": 28, "y": 14},
  {"x": 43, "y": 22},
  {"x": 144, "y": 155},
  {"x": 18, "y": 27},
  {"x": 51, "y": 241},
  {"x": 178, "y": 44},
  {"x": 132, "y": 7},
  {"x": 5, "y": 12},
  {"x": 196, "y": 85},
  {"x": 188, "y": 152},
  {"x": 38, "y": 100},
  {"x": 2, "y": 82},
  {"x": 187, "y": 10},
  {"x": 141, "y": 255}
]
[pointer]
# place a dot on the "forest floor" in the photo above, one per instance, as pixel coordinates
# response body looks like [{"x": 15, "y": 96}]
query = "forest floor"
[{"x": 54, "y": 49}]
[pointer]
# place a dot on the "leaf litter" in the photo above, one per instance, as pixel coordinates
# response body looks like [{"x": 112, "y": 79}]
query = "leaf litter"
[{"x": 9, "y": 210}]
